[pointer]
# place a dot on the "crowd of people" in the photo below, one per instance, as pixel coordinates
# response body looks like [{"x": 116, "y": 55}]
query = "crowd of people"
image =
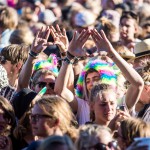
[{"x": 74, "y": 75}]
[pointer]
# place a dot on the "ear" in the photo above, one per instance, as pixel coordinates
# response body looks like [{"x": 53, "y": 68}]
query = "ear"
[
  {"x": 19, "y": 66},
  {"x": 147, "y": 88}
]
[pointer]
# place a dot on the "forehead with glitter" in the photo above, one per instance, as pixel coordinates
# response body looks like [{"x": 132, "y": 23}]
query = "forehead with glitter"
[
  {"x": 49, "y": 64},
  {"x": 108, "y": 74}
]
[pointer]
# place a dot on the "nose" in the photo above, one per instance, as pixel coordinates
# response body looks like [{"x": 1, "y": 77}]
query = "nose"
[
  {"x": 124, "y": 28},
  {"x": 108, "y": 107}
]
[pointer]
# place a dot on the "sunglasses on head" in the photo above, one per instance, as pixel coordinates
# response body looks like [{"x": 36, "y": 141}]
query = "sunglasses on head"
[
  {"x": 43, "y": 84},
  {"x": 130, "y": 13}
]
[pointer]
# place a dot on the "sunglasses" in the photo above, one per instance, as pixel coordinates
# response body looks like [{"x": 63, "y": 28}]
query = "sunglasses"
[
  {"x": 37, "y": 117},
  {"x": 100, "y": 146},
  {"x": 43, "y": 84}
]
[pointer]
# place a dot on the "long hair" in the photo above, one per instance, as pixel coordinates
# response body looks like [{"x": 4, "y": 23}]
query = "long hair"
[
  {"x": 132, "y": 128},
  {"x": 59, "y": 109}
]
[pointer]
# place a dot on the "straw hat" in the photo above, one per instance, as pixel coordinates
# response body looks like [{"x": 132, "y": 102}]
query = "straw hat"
[{"x": 142, "y": 48}]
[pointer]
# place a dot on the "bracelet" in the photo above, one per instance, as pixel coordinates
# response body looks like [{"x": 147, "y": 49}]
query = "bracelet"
[
  {"x": 67, "y": 60},
  {"x": 70, "y": 55},
  {"x": 32, "y": 55}
]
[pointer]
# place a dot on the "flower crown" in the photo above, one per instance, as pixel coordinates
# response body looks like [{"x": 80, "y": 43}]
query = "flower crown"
[
  {"x": 108, "y": 74},
  {"x": 49, "y": 64}
]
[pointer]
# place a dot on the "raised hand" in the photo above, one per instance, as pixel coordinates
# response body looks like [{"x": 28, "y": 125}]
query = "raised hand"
[
  {"x": 77, "y": 43},
  {"x": 60, "y": 38},
  {"x": 101, "y": 41},
  {"x": 40, "y": 41}
]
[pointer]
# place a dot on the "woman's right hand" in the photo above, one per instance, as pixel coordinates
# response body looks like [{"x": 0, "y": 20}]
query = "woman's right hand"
[
  {"x": 77, "y": 43},
  {"x": 120, "y": 116},
  {"x": 40, "y": 42}
]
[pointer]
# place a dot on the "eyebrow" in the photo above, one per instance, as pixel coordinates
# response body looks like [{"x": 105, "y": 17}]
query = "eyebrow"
[{"x": 93, "y": 77}]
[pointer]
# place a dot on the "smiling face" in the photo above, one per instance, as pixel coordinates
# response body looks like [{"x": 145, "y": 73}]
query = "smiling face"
[{"x": 104, "y": 107}]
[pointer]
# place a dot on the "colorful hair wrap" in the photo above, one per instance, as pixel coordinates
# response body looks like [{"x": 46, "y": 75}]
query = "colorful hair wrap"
[
  {"x": 108, "y": 74},
  {"x": 49, "y": 64}
]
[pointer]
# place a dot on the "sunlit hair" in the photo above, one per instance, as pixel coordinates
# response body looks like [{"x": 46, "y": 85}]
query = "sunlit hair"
[
  {"x": 97, "y": 90},
  {"x": 132, "y": 128},
  {"x": 90, "y": 135},
  {"x": 8, "y": 18},
  {"x": 54, "y": 141},
  {"x": 9, "y": 115},
  {"x": 40, "y": 73},
  {"x": 14, "y": 53},
  {"x": 22, "y": 36},
  {"x": 107, "y": 26},
  {"x": 59, "y": 110}
]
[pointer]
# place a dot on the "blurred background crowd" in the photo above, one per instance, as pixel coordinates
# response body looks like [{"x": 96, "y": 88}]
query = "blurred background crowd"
[{"x": 75, "y": 74}]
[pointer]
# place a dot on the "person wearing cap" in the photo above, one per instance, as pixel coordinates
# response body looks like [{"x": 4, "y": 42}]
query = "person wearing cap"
[
  {"x": 84, "y": 19},
  {"x": 142, "y": 65},
  {"x": 142, "y": 52}
]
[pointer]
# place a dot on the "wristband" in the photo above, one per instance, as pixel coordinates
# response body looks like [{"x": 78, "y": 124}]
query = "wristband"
[
  {"x": 68, "y": 61},
  {"x": 70, "y": 55},
  {"x": 33, "y": 53}
]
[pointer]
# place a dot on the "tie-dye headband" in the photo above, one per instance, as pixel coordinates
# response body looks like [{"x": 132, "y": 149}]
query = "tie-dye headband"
[
  {"x": 108, "y": 74},
  {"x": 49, "y": 64}
]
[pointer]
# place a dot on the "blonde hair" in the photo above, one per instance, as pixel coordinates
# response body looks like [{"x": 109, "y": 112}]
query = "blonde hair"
[
  {"x": 36, "y": 75},
  {"x": 59, "y": 109},
  {"x": 97, "y": 90},
  {"x": 15, "y": 53},
  {"x": 89, "y": 134},
  {"x": 132, "y": 128},
  {"x": 22, "y": 36},
  {"x": 8, "y": 18}
]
